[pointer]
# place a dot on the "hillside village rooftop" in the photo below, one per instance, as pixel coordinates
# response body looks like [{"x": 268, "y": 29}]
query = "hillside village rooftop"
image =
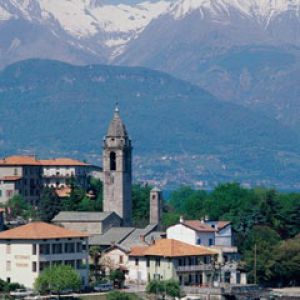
[
  {"x": 30, "y": 160},
  {"x": 40, "y": 231}
]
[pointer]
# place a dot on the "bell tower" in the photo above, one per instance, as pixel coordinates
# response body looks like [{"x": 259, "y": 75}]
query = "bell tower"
[{"x": 117, "y": 170}]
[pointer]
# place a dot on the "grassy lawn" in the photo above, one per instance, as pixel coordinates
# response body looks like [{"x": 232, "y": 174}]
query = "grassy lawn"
[{"x": 93, "y": 297}]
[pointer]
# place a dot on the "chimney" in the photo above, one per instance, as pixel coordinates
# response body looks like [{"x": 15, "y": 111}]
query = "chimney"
[{"x": 181, "y": 220}]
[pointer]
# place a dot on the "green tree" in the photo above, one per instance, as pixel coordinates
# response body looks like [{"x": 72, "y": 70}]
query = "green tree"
[
  {"x": 17, "y": 206},
  {"x": 164, "y": 287},
  {"x": 286, "y": 268},
  {"x": 264, "y": 239},
  {"x": 116, "y": 295},
  {"x": 96, "y": 186},
  {"x": 86, "y": 204},
  {"x": 117, "y": 277},
  {"x": 57, "y": 278},
  {"x": 140, "y": 204},
  {"x": 49, "y": 206},
  {"x": 95, "y": 254},
  {"x": 71, "y": 203}
]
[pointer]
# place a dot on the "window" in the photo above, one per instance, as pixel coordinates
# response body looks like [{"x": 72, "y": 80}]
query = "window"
[
  {"x": 136, "y": 261},
  {"x": 8, "y": 249},
  {"x": 157, "y": 262},
  {"x": 148, "y": 262},
  {"x": 34, "y": 249},
  {"x": 44, "y": 265},
  {"x": 45, "y": 249},
  {"x": 79, "y": 247},
  {"x": 112, "y": 160},
  {"x": 210, "y": 242},
  {"x": 8, "y": 265},
  {"x": 198, "y": 241},
  {"x": 33, "y": 266},
  {"x": 56, "y": 248},
  {"x": 79, "y": 264},
  {"x": 69, "y": 248},
  {"x": 121, "y": 258},
  {"x": 15, "y": 171}
]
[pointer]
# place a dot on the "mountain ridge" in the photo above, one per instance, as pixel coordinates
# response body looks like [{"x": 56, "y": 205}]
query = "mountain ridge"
[{"x": 181, "y": 133}]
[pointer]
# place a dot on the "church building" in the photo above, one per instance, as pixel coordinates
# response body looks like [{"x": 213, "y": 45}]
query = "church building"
[{"x": 117, "y": 177}]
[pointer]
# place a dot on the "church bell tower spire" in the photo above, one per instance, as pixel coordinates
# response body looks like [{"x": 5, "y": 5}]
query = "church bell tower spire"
[{"x": 117, "y": 151}]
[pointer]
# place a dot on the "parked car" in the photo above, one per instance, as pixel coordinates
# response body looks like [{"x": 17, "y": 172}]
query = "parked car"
[
  {"x": 103, "y": 287},
  {"x": 20, "y": 293}
]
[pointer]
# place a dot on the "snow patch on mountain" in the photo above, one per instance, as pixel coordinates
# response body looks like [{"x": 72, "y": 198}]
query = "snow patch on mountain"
[
  {"x": 4, "y": 14},
  {"x": 262, "y": 10}
]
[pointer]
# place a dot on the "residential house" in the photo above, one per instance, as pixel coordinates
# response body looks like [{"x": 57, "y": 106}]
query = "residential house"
[
  {"x": 27, "y": 250},
  {"x": 171, "y": 259},
  {"x": 214, "y": 234},
  {"x": 28, "y": 175},
  {"x": 193, "y": 232}
]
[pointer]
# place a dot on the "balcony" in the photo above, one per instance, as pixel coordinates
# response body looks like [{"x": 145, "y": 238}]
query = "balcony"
[
  {"x": 57, "y": 175},
  {"x": 193, "y": 268}
]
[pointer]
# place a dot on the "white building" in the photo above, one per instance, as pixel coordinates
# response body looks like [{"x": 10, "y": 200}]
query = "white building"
[
  {"x": 28, "y": 175},
  {"x": 214, "y": 234},
  {"x": 27, "y": 250},
  {"x": 193, "y": 232},
  {"x": 137, "y": 265}
]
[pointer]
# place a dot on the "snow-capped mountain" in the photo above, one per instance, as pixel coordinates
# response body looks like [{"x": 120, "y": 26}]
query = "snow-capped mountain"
[
  {"x": 245, "y": 51},
  {"x": 104, "y": 30}
]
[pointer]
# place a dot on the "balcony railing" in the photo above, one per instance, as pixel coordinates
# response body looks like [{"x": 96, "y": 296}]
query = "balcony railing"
[{"x": 192, "y": 268}]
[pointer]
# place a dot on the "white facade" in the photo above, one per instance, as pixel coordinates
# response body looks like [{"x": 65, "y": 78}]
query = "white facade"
[
  {"x": 223, "y": 235},
  {"x": 187, "y": 235},
  {"x": 114, "y": 259},
  {"x": 137, "y": 270},
  {"x": 60, "y": 176},
  {"x": 23, "y": 260}
]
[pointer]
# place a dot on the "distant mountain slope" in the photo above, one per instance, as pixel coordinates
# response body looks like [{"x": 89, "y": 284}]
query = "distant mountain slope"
[
  {"x": 53, "y": 108},
  {"x": 242, "y": 51}
]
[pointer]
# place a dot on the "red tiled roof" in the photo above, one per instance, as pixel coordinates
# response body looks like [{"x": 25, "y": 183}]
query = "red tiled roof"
[
  {"x": 174, "y": 248},
  {"x": 11, "y": 178},
  {"x": 18, "y": 160},
  {"x": 26, "y": 160},
  {"x": 39, "y": 231},
  {"x": 62, "y": 162},
  {"x": 138, "y": 250},
  {"x": 198, "y": 226},
  {"x": 63, "y": 192}
]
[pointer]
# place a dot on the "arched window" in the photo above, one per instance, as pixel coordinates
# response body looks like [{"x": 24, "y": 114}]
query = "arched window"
[{"x": 112, "y": 159}]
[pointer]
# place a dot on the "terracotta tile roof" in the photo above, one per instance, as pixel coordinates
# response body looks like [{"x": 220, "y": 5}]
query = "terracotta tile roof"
[
  {"x": 39, "y": 231},
  {"x": 62, "y": 162},
  {"x": 198, "y": 226},
  {"x": 10, "y": 178},
  {"x": 138, "y": 250},
  {"x": 174, "y": 248},
  {"x": 63, "y": 192},
  {"x": 18, "y": 160},
  {"x": 21, "y": 160}
]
